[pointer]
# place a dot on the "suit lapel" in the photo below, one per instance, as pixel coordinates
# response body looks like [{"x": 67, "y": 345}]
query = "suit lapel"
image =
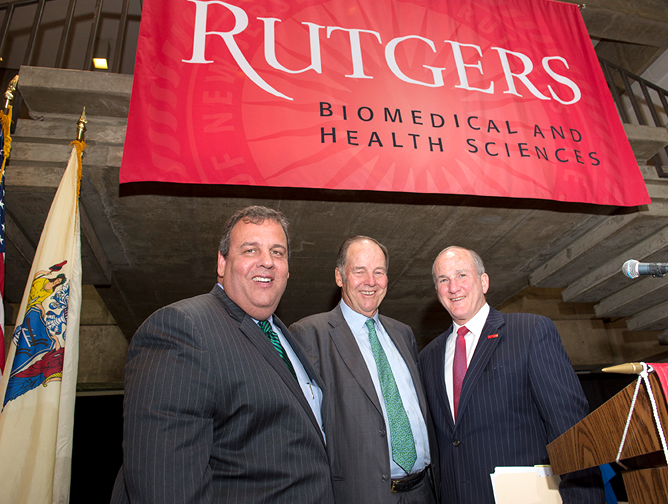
[
  {"x": 259, "y": 340},
  {"x": 350, "y": 353},
  {"x": 297, "y": 349},
  {"x": 441, "y": 391},
  {"x": 409, "y": 359},
  {"x": 481, "y": 356}
]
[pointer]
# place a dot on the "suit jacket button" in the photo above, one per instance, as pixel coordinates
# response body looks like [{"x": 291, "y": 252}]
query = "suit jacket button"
[
  {"x": 381, "y": 432},
  {"x": 456, "y": 443},
  {"x": 386, "y": 477}
]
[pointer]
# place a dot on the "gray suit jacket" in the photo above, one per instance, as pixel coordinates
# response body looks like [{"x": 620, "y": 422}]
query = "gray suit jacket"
[
  {"x": 354, "y": 425},
  {"x": 212, "y": 413}
]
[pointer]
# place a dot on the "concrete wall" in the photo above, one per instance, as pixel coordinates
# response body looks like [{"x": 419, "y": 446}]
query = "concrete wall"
[{"x": 589, "y": 341}]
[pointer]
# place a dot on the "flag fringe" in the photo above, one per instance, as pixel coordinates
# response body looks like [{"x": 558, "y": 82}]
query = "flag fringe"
[{"x": 6, "y": 122}]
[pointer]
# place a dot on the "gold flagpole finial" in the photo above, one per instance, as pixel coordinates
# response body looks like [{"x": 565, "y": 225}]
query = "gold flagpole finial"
[
  {"x": 81, "y": 126},
  {"x": 628, "y": 368},
  {"x": 9, "y": 94}
]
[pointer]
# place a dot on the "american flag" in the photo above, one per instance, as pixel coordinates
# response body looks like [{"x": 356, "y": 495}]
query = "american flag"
[{"x": 5, "y": 142}]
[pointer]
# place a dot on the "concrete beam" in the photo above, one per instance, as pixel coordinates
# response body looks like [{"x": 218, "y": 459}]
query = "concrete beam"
[
  {"x": 637, "y": 22},
  {"x": 589, "y": 287},
  {"x": 33, "y": 176},
  {"x": 89, "y": 234},
  {"x": 652, "y": 319},
  {"x": 15, "y": 234},
  {"x": 579, "y": 247},
  {"x": 646, "y": 141},
  {"x": 51, "y": 90},
  {"x": 626, "y": 302}
]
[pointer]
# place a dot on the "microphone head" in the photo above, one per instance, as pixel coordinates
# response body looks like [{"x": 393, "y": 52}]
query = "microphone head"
[{"x": 630, "y": 269}]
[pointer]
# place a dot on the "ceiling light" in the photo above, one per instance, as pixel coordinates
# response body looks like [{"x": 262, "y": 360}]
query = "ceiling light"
[
  {"x": 101, "y": 55},
  {"x": 100, "y": 63}
]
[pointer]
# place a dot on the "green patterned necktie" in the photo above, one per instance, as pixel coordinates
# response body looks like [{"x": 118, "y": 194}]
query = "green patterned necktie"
[
  {"x": 403, "y": 445},
  {"x": 273, "y": 337}
]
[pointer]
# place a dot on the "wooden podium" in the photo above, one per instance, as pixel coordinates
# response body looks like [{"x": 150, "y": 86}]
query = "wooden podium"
[{"x": 596, "y": 439}]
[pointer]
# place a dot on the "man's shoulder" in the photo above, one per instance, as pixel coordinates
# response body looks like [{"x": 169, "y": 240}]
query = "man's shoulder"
[
  {"x": 435, "y": 345},
  {"x": 201, "y": 300},
  {"x": 525, "y": 318},
  {"x": 393, "y": 324},
  {"x": 189, "y": 307},
  {"x": 316, "y": 320}
]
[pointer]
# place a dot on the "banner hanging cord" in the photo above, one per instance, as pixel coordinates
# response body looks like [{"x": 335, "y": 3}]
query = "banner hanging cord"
[{"x": 643, "y": 375}]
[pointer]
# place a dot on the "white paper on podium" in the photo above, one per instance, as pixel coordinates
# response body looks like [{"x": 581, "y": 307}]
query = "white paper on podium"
[{"x": 525, "y": 485}]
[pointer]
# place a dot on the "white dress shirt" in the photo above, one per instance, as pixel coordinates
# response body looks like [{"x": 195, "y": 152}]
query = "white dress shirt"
[
  {"x": 357, "y": 324},
  {"x": 475, "y": 326}
]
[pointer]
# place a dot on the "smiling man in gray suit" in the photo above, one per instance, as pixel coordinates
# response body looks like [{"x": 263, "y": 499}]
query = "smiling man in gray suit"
[
  {"x": 220, "y": 404},
  {"x": 377, "y": 421}
]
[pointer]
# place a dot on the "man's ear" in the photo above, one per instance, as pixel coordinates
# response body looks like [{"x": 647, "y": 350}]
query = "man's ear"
[
  {"x": 485, "y": 282},
  {"x": 221, "y": 266},
  {"x": 338, "y": 277}
]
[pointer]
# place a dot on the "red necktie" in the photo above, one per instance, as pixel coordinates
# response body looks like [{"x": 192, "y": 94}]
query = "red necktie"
[{"x": 459, "y": 366}]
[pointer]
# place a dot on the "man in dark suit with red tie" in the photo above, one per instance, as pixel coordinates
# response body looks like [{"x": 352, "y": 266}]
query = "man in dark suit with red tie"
[{"x": 500, "y": 388}]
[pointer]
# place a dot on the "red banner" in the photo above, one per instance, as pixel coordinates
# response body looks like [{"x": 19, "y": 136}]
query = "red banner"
[{"x": 484, "y": 97}]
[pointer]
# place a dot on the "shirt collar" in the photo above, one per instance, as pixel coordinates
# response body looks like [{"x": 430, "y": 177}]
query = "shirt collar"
[
  {"x": 476, "y": 324},
  {"x": 355, "y": 320},
  {"x": 270, "y": 319}
]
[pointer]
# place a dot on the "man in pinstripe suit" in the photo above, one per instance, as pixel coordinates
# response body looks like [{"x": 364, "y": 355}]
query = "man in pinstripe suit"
[
  {"x": 217, "y": 409},
  {"x": 519, "y": 391}
]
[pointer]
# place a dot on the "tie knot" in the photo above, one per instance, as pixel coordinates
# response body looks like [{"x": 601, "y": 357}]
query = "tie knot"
[
  {"x": 462, "y": 331},
  {"x": 369, "y": 324},
  {"x": 265, "y": 326}
]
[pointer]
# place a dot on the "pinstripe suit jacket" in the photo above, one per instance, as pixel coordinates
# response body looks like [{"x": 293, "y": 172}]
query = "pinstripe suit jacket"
[
  {"x": 212, "y": 413},
  {"x": 520, "y": 392},
  {"x": 354, "y": 424}
]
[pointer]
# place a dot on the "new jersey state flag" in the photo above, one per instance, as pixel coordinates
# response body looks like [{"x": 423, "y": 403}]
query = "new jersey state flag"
[{"x": 38, "y": 386}]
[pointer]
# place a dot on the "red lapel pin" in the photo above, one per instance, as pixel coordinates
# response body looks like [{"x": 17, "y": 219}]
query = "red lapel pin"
[{"x": 493, "y": 336}]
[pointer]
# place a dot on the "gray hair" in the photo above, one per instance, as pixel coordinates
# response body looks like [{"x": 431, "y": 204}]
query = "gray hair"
[
  {"x": 254, "y": 215},
  {"x": 342, "y": 257},
  {"x": 477, "y": 261}
]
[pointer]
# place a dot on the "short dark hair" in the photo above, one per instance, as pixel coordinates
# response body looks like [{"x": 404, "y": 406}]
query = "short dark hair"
[
  {"x": 255, "y": 215},
  {"x": 342, "y": 257}
]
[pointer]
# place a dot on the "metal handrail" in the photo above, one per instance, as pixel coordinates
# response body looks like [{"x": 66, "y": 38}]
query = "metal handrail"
[
  {"x": 611, "y": 72},
  {"x": 10, "y": 6}
]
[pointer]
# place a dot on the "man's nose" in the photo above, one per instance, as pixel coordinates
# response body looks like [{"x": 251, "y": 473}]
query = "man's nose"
[{"x": 266, "y": 259}]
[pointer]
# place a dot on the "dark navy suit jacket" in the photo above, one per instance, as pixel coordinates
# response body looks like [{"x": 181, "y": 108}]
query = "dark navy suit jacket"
[{"x": 520, "y": 392}]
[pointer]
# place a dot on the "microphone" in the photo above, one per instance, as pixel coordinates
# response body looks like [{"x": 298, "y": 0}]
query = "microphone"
[{"x": 633, "y": 269}]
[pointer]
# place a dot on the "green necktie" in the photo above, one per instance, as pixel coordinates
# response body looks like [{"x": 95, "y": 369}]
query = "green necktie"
[
  {"x": 273, "y": 337},
  {"x": 403, "y": 445}
]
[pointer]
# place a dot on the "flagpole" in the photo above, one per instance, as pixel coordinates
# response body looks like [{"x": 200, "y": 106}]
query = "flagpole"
[
  {"x": 38, "y": 387},
  {"x": 9, "y": 94},
  {"x": 5, "y": 123},
  {"x": 81, "y": 126},
  {"x": 62, "y": 473}
]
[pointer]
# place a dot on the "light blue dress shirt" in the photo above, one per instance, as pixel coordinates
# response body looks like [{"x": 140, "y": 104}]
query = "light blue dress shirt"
[
  {"x": 310, "y": 389},
  {"x": 357, "y": 324}
]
